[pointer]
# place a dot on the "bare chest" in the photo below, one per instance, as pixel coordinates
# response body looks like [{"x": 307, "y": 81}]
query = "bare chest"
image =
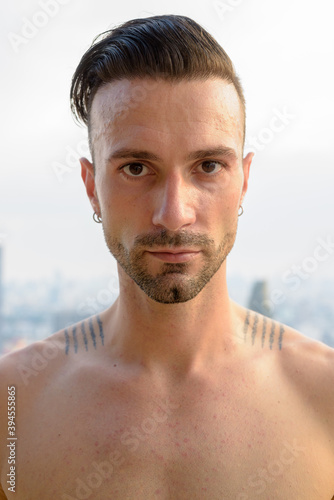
[{"x": 129, "y": 444}]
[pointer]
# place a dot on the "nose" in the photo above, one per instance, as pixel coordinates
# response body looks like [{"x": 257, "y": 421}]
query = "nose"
[{"x": 174, "y": 204}]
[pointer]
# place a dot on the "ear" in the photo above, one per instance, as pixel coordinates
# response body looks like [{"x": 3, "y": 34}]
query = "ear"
[
  {"x": 88, "y": 177},
  {"x": 246, "y": 163}
]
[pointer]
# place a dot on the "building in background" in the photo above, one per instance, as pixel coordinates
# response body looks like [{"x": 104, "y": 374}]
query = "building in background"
[
  {"x": 33, "y": 310},
  {"x": 259, "y": 298}
]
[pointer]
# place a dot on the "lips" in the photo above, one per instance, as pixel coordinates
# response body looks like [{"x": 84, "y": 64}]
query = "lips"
[{"x": 174, "y": 255}]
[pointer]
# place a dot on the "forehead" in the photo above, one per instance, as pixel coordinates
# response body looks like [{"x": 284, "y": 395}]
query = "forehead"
[{"x": 184, "y": 110}]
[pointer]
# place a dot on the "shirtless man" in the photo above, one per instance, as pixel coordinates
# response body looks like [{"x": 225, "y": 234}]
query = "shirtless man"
[{"x": 175, "y": 392}]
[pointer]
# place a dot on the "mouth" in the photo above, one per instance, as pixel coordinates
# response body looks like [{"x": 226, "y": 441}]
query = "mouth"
[{"x": 174, "y": 255}]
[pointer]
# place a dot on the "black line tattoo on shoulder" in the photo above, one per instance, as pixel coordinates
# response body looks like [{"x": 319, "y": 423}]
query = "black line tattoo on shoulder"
[
  {"x": 254, "y": 330},
  {"x": 75, "y": 340},
  {"x": 266, "y": 328},
  {"x": 272, "y": 334},
  {"x": 83, "y": 330},
  {"x": 92, "y": 335},
  {"x": 99, "y": 322},
  {"x": 67, "y": 341},
  {"x": 280, "y": 338},
  {"x": 246, "y": 325}
]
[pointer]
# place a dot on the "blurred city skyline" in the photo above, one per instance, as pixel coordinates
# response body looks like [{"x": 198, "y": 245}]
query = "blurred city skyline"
[{"x": 36, "y": 309}]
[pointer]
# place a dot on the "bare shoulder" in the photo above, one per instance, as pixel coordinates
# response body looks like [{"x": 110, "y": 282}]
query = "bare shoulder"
[
  {"x": 305, "y": 364},
  {"x": 17, "y": 370},
  {"x": 305, "y": 354},
  {"x": 309, "y": 365},
  {"x": 302, "y": 358},
  {"x": 302, "y": 365},
  {"x": 41, "y": 359},
  {"x": 21, "y": 366},
  {"x": 30, "y": 368},
  {"x": 35, "y": 374},
  {"x": 38, "y": 366}
]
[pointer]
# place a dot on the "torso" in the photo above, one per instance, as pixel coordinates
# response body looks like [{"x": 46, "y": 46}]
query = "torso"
[{"x": 87, "y": 429}]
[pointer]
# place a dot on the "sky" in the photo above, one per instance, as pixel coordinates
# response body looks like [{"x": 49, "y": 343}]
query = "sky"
[{"x": 283, "y": 52}]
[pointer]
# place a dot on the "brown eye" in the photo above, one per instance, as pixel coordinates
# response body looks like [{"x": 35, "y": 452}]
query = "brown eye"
[
  {"x": 210, "y": 167},
  {"x": 135, "y": 169}
]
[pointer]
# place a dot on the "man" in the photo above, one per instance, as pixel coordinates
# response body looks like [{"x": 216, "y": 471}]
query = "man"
[{"x": 174, "y": 392}]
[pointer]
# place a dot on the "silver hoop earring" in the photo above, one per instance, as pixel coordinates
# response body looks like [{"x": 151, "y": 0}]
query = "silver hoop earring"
[
  {"x": 97, "y": 218},
  {"x": 242, "y": 211}
]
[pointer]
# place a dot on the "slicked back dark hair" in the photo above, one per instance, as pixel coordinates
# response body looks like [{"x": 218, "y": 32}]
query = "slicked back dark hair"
[{"x": 169, "y": 47}]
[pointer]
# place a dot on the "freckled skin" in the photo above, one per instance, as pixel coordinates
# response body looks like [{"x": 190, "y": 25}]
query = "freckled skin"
[{"x": 192, "y": 399}]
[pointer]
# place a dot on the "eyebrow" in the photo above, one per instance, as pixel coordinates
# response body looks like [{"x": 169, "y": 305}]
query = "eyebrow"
[
  {"x": 137, "y": 154},
  {"x": 201, "y": 154},
  {"x": 219, "y": 151}
]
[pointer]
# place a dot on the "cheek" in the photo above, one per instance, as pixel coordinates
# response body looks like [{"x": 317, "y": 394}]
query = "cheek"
[
  {"x": 234, "y": 201},
  {"x": 226, "y": 201},
  {"x": 110, "y": 202},
  {"x": 123, "y": 218},
  {"x": 225, "y": 217},
  {"x": 232, "y": 194}
]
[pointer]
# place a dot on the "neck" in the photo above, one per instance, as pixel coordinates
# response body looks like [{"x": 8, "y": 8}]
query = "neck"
[{"x": 176, "y": 339}]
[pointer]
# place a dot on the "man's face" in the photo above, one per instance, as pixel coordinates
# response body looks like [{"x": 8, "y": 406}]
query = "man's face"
[{"x": 169, "y": 180}]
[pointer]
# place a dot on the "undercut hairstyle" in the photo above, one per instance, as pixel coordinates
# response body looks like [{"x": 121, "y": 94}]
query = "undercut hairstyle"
[{"x": 170, "y": 47}]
